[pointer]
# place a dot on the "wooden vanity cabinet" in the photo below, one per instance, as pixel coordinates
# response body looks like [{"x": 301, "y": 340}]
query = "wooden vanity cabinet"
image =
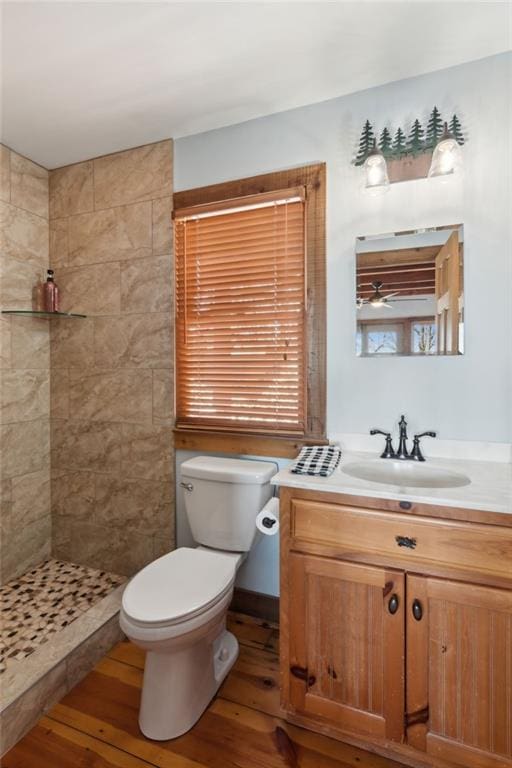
[
  {"x": 404, "y": 653},
  {"x": 346, "y": 648},
  {"x": 459, "y": 671}
]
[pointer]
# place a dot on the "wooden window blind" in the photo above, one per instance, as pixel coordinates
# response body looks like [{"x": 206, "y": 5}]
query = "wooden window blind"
[{"x": 240, "y": 314}]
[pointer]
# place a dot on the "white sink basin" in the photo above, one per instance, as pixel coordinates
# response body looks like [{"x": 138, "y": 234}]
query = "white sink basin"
[{"x": 405, "y": 473}]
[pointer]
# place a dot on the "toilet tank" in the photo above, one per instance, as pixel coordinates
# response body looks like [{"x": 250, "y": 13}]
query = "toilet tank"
[{"x": 223, "y": 497}]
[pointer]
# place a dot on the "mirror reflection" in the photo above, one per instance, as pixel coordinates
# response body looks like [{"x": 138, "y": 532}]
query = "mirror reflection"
[{"x": 410, "y": 293}]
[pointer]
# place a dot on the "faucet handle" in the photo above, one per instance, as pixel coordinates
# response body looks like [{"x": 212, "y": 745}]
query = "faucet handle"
[
  {"x": 416, "y": 453},
  {"x": 389, "y": 452}
]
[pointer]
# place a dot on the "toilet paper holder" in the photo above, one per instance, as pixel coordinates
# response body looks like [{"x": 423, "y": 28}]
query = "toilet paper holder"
[{"x": 267, "y": 520}]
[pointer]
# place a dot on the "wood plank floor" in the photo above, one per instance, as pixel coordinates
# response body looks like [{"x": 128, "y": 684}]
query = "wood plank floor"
[{"x": 95, "y": 725}]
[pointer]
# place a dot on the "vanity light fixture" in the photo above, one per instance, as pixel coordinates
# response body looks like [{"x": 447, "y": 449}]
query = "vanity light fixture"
[
  {"x": 375, "y": 166},
  {"x": 447, "y": 155},
  {"x": 409, "y": 152}
]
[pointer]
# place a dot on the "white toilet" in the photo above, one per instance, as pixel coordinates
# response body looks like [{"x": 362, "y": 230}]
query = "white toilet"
[{"x": 175, "y": 608}]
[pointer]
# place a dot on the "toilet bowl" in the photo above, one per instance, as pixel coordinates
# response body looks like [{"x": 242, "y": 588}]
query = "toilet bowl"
[{"x": 176, "y": 607}]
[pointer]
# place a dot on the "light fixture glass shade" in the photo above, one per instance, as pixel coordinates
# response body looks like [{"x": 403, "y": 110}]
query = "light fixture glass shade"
[
  {"x": 447, "y": 155},
  {"x": 376, "y": 170}
]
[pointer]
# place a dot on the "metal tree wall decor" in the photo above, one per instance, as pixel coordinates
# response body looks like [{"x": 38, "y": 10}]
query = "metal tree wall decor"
[{"x": 418, "y": 142}]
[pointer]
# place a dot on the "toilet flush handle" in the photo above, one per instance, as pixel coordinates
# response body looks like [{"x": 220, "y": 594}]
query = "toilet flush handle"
[{"x": 187, "y": 486}]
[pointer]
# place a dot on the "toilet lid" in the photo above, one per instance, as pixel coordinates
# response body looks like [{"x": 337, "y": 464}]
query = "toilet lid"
[{"x": 178, "y": 585}]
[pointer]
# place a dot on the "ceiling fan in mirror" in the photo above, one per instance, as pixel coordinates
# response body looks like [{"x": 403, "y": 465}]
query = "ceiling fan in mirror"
[{"x": 378, "y": 299}]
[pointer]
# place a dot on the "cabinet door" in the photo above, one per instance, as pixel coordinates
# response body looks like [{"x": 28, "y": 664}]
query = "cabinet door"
[
  {"x": 459, "y": 672},
  {"x": 345, "y": 645}
]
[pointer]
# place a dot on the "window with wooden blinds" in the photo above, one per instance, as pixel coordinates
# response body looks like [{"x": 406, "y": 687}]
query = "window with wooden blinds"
[
  {"x": 240, "y": 314},
  {"x": 250, "y": 314}
]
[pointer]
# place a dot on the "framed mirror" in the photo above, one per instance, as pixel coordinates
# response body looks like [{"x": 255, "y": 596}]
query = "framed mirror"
[{"x": 410, "y": 293}]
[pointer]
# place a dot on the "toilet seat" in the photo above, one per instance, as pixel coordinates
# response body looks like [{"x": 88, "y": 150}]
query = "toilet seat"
[{"x": 178, "y": 586}]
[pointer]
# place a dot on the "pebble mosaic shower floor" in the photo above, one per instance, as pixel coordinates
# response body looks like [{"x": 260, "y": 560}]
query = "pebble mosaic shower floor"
[{"x": 44, "y": 601}]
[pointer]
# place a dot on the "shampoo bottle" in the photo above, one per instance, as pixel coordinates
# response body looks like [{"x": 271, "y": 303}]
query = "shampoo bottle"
[{"x": 51, "y": 293}]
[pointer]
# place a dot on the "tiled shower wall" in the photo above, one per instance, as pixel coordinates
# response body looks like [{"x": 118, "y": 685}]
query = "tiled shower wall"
[
  {"x": 112, "y": 453},
  {"x": 25, "y": 375}
]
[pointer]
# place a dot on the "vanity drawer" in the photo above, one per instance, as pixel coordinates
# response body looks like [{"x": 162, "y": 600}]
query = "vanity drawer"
[{"x": 348, "y": 531}]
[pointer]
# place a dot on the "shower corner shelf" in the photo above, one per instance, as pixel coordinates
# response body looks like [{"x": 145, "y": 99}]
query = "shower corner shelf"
[{"x": 37, "y": 313}]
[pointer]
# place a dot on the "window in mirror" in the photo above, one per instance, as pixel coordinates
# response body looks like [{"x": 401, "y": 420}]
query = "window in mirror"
[
  {"x": 377, "y": 338},
  {"x": 410, "y": 293},
  {"x": 423, "y": 337}
]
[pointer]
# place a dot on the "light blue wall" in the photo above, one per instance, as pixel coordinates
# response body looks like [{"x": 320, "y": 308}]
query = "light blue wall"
[{"x": 465, "y": 398}]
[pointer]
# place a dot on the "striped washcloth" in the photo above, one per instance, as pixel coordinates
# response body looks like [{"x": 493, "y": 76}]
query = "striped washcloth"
[{"x": 317, "y": 460}]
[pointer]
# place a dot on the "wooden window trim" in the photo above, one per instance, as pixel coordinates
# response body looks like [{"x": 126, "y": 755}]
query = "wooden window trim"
[
  {"x": 245, "y": 444},
  {"x": 313, "y": 179}
]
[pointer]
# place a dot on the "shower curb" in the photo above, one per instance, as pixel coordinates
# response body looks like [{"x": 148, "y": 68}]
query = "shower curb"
[{"x": 55, "y": 668}]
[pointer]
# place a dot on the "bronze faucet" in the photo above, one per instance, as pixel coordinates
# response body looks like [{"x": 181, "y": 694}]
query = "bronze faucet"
[{"x": 403, "y": 453}]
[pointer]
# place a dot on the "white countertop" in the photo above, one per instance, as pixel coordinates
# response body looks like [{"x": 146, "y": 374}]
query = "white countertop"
[{"x": 490, "y": 489}]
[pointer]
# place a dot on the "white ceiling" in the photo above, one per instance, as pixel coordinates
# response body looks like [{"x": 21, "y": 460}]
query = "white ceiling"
[{"x": 81, "y": 79}]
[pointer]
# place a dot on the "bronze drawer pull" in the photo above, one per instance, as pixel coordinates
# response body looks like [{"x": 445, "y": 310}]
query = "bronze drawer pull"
[
  {"x": 393, "y": 604},
  {"x": 405, "y": 541},
  {"x": 417, "y": 610}
]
